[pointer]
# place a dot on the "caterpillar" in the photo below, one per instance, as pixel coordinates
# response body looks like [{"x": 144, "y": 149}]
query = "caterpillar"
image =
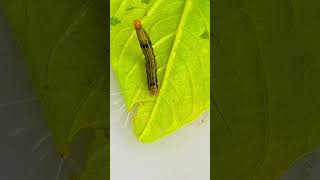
[{"x": 151, "y": 64}]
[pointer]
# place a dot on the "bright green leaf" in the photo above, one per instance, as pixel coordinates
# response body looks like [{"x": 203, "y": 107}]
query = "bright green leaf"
[{"x": 183, "y": 56}]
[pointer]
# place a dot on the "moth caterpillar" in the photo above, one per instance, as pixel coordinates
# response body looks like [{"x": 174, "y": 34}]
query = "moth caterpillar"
[{"x": 151, "y": 64}]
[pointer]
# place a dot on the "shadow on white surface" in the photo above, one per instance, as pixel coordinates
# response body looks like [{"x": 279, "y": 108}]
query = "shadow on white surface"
[{"x": 307, "y": 168}]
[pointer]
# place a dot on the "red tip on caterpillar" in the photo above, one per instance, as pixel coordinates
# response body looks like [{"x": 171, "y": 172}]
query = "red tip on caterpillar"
[{"x": 137, "y": 23}]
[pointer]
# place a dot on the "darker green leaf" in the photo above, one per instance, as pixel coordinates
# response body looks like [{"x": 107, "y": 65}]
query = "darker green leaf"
[
  {"x": 265, "y": 67},
  {"x": 64, "y": 43}
]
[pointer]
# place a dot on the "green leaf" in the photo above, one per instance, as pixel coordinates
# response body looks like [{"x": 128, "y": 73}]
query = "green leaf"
[
  {"x": 97, "y": 161},
  {"x": 176, "y": 29},
  {"x": 64, "y": 43},
  {"x": 265, "y": 73}
]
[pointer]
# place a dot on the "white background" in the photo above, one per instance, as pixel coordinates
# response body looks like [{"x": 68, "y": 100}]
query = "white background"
[{"x": 184, "y": 155}]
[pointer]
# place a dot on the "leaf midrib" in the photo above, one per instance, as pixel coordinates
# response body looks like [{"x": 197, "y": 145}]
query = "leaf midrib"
[
  {"x": 182, "y": 21},
  {"x": 148, "y": 13}
]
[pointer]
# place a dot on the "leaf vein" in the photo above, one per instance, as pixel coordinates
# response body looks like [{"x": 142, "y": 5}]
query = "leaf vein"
[
  {"x": 63, "y": 37},
  {"x": 178, "y": 35}
]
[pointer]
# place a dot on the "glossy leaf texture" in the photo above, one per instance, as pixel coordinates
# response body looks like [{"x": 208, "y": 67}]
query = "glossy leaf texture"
[
  {"x": 64, "y": 43},
  {"x": 179, "y": 31},
  {"x": 265, "y": 73}
]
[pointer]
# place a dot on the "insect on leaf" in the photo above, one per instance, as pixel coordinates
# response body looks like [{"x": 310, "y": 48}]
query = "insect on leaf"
[{"x": 176, "y": 30}]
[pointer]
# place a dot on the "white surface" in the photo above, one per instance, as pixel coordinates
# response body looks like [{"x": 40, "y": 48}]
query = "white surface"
[{"x": 183, "y": 155}]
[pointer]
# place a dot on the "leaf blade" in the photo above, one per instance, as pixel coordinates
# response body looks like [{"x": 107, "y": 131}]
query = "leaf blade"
[{"x": 135, "y": 92}]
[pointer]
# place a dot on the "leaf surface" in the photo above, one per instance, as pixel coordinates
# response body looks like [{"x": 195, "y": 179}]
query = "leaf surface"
[
  {"x": 65, "y": 47},
  {"x": 64, "y": 43},
  {"x": 265, "y": 69},
  {"x": 97, "y": 160},
  {"x": 179, "y": 33}
]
